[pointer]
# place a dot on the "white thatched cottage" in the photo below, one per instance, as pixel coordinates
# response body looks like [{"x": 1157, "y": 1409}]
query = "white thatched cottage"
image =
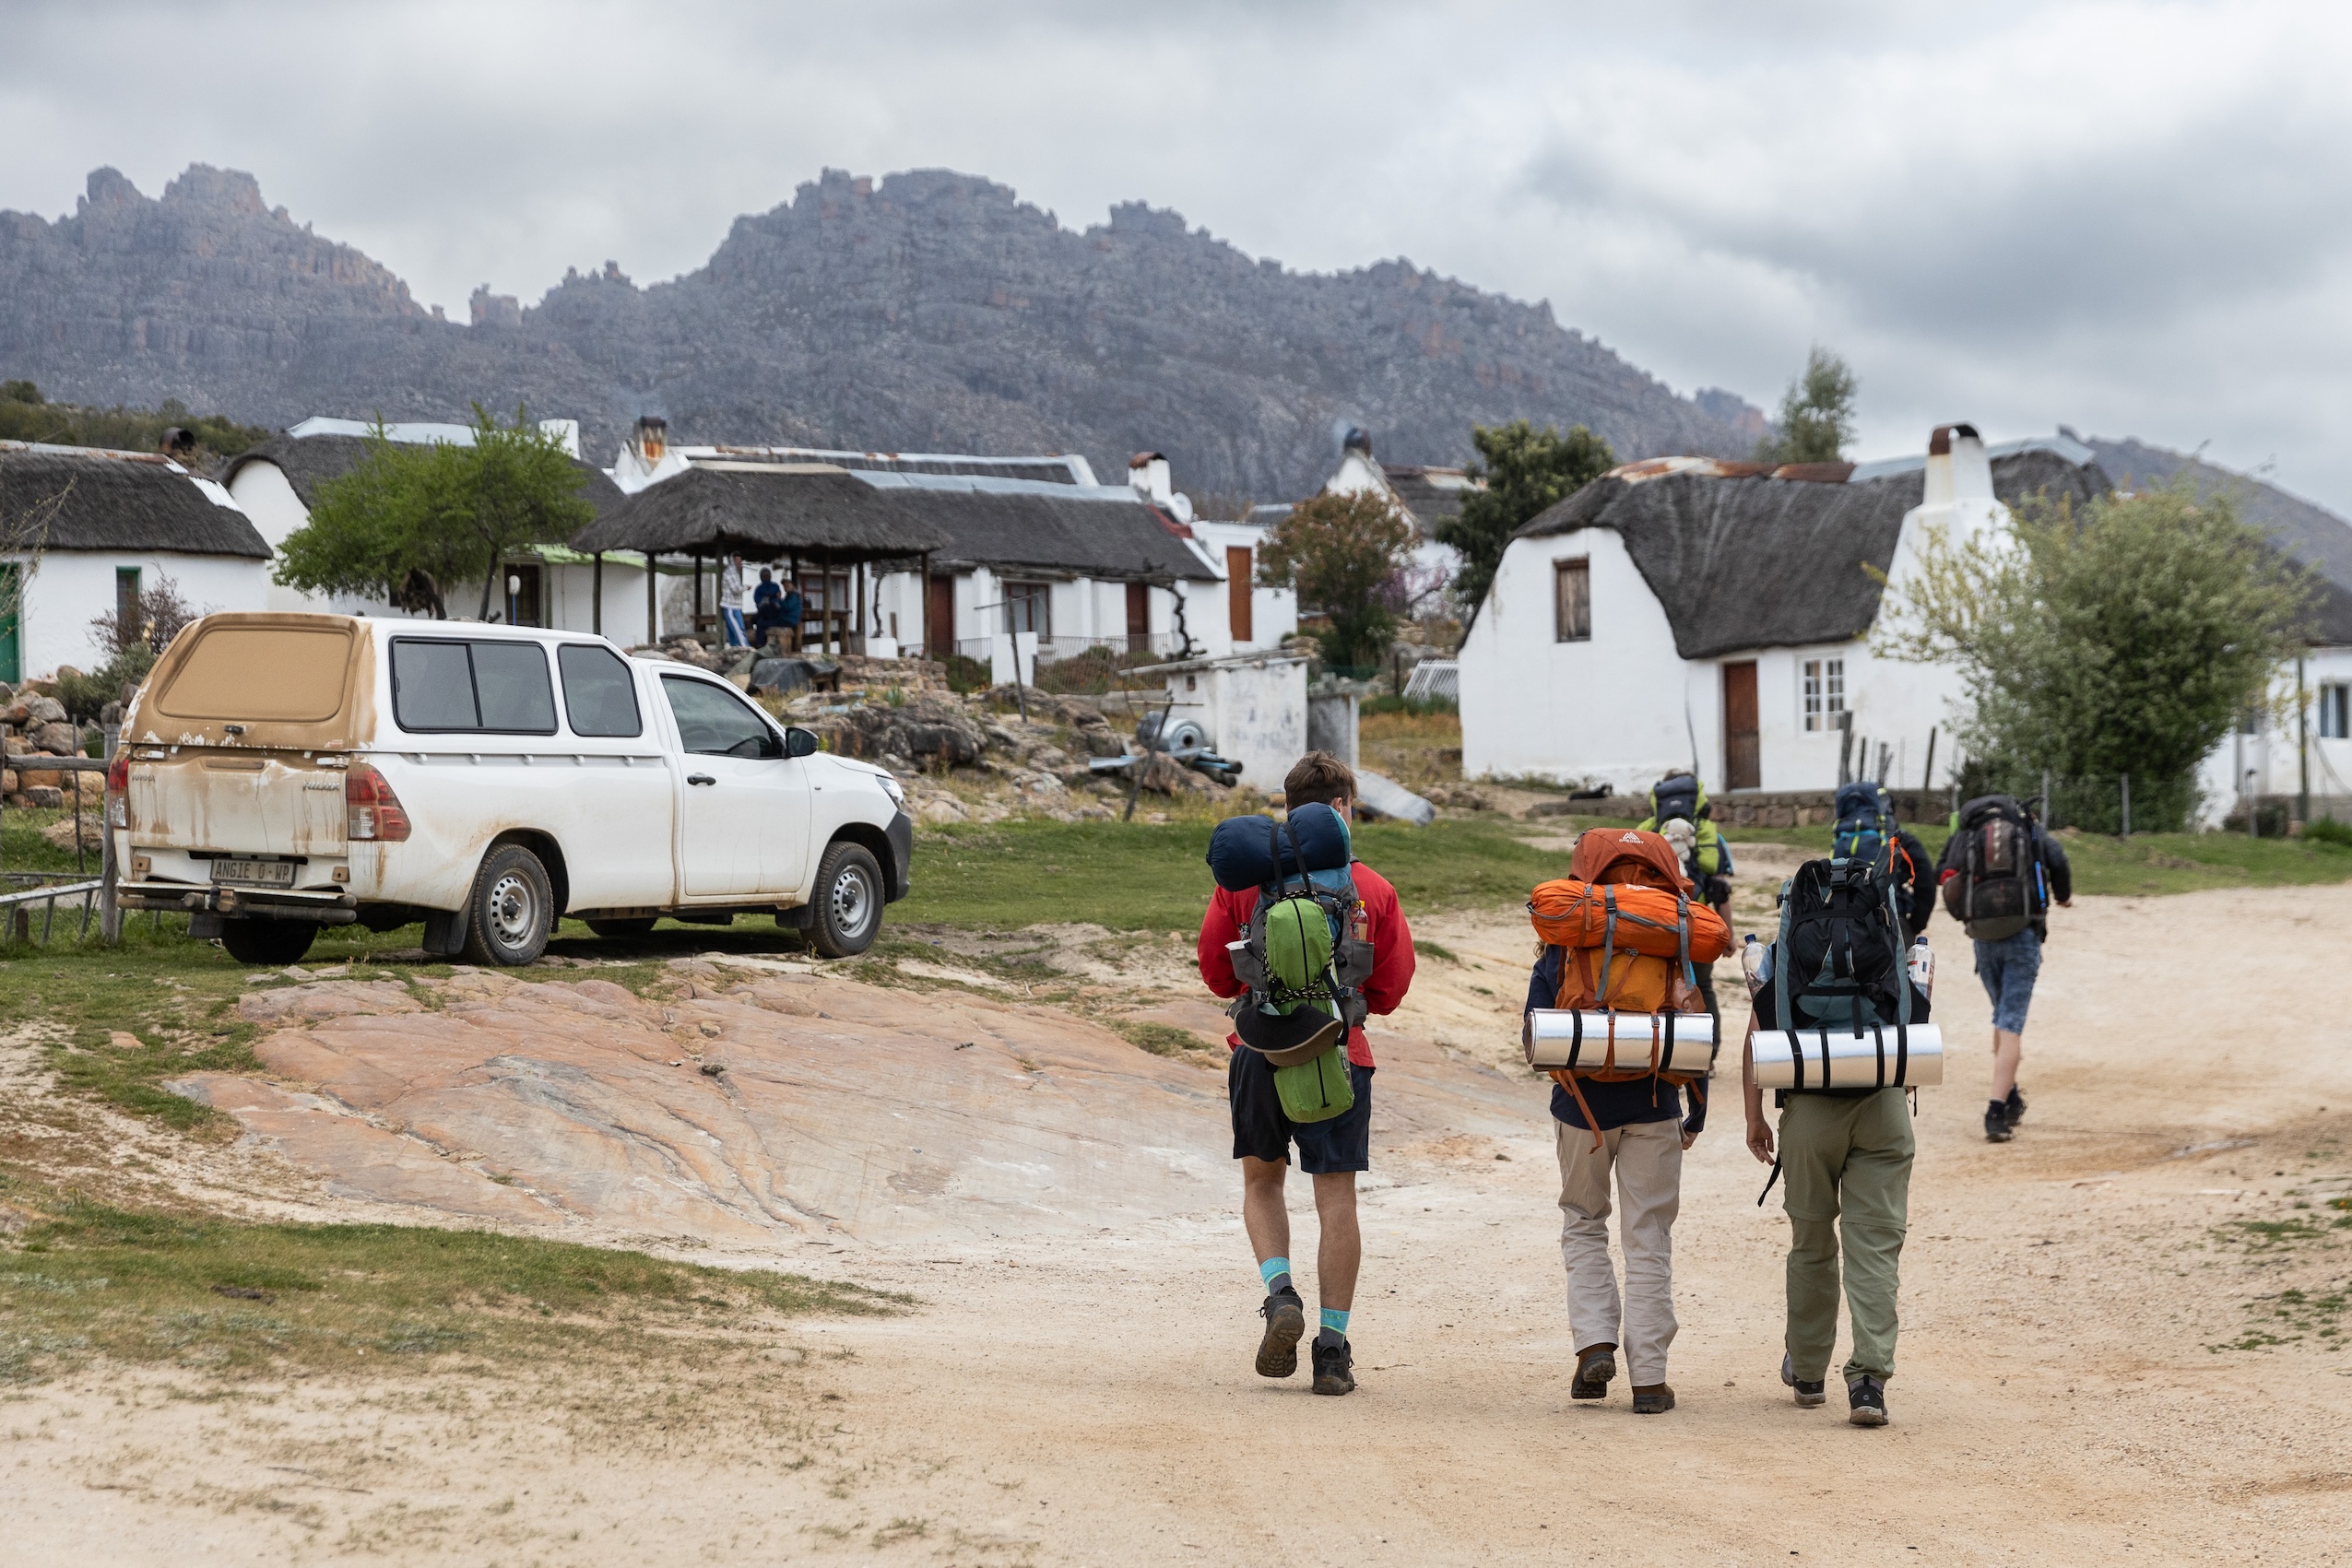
[
  {"x": 84, "y": 531},
  {"x": 1685, "y": 612}
]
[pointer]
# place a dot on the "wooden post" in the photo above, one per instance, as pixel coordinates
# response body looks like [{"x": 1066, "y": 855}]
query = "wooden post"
[
  {"x": 653, "y": 604},
  {"x": 595, "y": 596},
  {"x": 923, "y": 609},
  {"x": 824, "y": 575},
  {"x": 861, "y": 580},
  {"x": 696, "y": 629}
]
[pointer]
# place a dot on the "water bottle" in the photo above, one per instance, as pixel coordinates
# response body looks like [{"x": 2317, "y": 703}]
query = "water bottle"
[
  {"x": 1755, "y": 962},
  {"x": 1922, "y": 966}
]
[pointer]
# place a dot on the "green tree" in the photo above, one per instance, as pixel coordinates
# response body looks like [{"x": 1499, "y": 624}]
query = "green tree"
[
  {"x": 444, "y": 513},
  {"x": 1817, "y": 415},
  {"x": 2126, "y": 639},
  {"x": 1345, "y": 554},
  {"x": 1526, "y": 470}
]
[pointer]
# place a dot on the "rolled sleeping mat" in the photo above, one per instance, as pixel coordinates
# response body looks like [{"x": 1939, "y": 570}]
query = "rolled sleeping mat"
[
  {"x": 1883, "y": 1056},
  {"x": 1576, "y": 1040},
  {"x": 1242, "y": 849}
]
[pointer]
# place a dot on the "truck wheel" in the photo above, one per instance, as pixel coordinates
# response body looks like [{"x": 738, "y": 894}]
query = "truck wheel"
[
  {"x": 849, "y": 901},
  {"x": 633, "y": 928},
  {"x": 267, "y": 942},
  {"x": 513, "y": 910}
]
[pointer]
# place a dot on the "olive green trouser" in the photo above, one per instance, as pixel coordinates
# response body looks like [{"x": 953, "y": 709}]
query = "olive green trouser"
[{"x": 1848, "y": 1170}]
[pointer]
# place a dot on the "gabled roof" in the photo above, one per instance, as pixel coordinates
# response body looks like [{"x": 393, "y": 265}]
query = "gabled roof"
[
  {"x": 1739, "y": 558},
  {"x": 80, "y": 497},
  {"x": 1431, "y": 495},
  {"x": 311, "y": 460}
]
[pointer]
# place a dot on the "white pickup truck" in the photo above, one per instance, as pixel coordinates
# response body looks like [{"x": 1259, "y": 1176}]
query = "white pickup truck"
[{"x": 281, "y": 773}]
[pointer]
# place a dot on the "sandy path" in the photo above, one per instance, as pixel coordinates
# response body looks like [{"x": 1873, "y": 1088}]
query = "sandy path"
[{"x": 1088, "y": 1398}]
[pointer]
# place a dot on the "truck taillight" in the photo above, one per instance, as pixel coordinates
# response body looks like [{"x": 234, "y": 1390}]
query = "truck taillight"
[
  {"x": 371, "y": 809},
  {"x": 118, "y": 791}
]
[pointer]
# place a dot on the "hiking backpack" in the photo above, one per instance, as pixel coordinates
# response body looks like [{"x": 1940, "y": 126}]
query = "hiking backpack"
[
  {"x": 1303, "y": 961},
  {"x": 1839, "y": 958},
  {"x": 1676, "y": 795},
  {"x": 1865, "y": 829},
  {"x": 1991, "y": 886},
  {"x": 1629, "y": 937}
]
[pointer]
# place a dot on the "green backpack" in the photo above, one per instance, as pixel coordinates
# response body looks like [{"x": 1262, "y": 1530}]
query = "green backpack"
[
  {"x": 1299, "y": 952},
  {"x": 1305, "y": 965}
]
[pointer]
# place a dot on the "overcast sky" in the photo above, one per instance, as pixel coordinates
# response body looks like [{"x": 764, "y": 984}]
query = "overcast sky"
[{"x": 2128, "y": 217}]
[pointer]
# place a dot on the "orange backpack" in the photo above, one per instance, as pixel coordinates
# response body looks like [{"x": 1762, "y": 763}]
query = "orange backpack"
[{"x": 1628, "y": 932}]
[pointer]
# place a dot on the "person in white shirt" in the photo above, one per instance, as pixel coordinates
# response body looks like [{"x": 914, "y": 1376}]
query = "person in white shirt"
[{"x": 730, "y": 602}]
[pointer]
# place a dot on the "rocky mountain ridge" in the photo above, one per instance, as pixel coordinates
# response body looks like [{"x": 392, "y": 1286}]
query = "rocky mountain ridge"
[{"x": 929, "y": 309}]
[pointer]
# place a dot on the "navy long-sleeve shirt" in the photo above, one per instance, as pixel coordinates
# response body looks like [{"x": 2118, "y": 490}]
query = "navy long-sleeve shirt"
[{"x": 1614, "y": 1104}]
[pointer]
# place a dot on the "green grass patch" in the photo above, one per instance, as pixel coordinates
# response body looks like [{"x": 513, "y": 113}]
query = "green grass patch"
[
  {"x": 1159, "y": 1039},
  {"x": 242, "y": 1299},
  {"x": 1135, "y": 876},
  {"x": 1424, "y": 947}
]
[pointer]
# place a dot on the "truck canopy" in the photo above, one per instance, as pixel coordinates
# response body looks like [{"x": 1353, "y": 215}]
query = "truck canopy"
[{"x": 290, "y": 682}]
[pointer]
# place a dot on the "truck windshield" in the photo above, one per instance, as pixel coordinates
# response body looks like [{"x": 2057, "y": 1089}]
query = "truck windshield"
[{"x": 498, "y": 686}]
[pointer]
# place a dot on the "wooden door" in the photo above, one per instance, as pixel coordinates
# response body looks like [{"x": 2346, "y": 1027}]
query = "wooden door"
[
  {"x": 1240, "y": 566},
  {"x": 11, "y": 640},
  {"x": 938, "y": 617},
  {"x": 1742, "y": 763},
  {"x": 1139, "y": 618}
]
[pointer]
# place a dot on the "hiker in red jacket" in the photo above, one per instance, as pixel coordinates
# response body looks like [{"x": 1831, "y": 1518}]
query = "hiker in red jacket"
[{"x": 1332, "y": 1152}]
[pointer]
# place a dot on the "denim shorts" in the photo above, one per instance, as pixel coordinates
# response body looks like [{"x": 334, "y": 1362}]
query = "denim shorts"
[{"x": 2007, "y": 968}]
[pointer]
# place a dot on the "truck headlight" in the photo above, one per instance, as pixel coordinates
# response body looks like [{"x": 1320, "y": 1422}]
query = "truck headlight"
[{"x": 897, "y": 793}]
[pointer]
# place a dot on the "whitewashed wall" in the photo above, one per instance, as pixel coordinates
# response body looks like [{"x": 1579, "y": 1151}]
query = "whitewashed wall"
[{"x": 63, "y": 590}]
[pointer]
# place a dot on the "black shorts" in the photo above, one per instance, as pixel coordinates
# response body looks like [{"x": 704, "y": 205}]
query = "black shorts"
[{"x": 1263, "y": 1132}]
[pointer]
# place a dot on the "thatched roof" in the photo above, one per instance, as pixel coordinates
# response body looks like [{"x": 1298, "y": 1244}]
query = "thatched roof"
[
  {"x": 1739, "y": 558},
  {"x": 309, "y": 462},
  {"x": 76, "y": 497},
  {"x": 764, "y": 511},
  {"x": 1011, "y": 527}
]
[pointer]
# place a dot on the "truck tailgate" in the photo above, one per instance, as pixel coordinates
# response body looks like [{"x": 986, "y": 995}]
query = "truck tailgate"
[{"x": 234, "y": 800}]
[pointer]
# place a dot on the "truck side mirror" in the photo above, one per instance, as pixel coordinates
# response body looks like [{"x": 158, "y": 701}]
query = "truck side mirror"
[{"x": 799, "y": 742}]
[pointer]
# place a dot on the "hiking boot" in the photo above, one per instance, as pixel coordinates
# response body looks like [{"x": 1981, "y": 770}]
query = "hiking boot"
[
  {"x": 1996, "y": 1123},
  {"x": 2013, "y": 1110},
  {"x": 1653, "y": 1399},
  {"x": 1866, "y": 1401},
  {"x": 1596, "y": 1364},
  {"x": 1333, "y": 1365},
  {"x": 1809, "y": 1395},
  {"x": 1285, "y": 1317}
]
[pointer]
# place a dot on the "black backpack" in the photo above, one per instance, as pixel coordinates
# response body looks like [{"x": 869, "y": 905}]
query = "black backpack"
[
  {"x": 1839, "y": 958},
  {"x": 1992, "y": 889},
  {"x": 1674, "y": 795}
]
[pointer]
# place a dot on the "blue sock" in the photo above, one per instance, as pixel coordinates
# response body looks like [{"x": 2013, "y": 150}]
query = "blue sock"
[
  {"x": 1276, "y": 1273},
  {"x": 1335, "y": 1326}
]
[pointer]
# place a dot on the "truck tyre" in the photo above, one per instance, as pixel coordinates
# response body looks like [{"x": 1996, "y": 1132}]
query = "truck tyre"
[
  {"x": 512, "y": 913},
  {"x": 267, "y": 942},
  {"x": 636, "y": 926},
  {"x": 849, "y": 899}
]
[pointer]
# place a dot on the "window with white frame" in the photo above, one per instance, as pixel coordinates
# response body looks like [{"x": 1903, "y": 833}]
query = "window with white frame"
[
  {"x": 1824, "y": 692},
  {"x": 2336, "y": 711}
]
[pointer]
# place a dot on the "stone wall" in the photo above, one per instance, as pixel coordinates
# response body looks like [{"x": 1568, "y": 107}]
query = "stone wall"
[{"x": 1758, "y": 808}]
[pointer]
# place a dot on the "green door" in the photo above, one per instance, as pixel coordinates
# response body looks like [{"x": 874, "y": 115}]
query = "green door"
[{"x": 11, "y": 620}]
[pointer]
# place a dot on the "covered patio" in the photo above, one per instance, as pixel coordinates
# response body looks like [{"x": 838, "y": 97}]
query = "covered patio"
[{"x": 801, "y": 516}]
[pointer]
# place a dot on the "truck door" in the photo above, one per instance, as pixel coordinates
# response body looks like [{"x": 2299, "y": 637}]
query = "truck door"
[{"x": 743, "y": 805}]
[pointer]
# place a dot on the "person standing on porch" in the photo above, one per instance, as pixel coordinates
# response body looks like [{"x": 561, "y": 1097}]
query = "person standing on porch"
[{"x": 730, "y": 602}]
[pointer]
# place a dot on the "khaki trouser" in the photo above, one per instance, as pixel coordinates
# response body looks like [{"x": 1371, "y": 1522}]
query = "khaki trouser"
[
  {"x": 1648, "y": 1159},
  {"x": 1848, "y": 1165}
]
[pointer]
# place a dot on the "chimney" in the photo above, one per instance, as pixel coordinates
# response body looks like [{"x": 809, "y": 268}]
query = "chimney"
[
  {"x": 179, "y": 443},
  {"x": 1957, "y": 469},
  {"x": 1148, "y": 472},
  {"x": 650, "y": 438}
]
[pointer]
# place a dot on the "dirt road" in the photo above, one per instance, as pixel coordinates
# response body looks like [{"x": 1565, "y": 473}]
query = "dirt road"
[{"x": 1079, "y": 1390}]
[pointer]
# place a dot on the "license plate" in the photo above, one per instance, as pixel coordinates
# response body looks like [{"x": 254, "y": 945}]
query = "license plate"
[{"x": 268, "y": 873}]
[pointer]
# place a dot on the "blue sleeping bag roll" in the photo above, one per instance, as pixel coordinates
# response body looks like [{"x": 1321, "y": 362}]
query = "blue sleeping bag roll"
[{"x": 1242, "y": 850}]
